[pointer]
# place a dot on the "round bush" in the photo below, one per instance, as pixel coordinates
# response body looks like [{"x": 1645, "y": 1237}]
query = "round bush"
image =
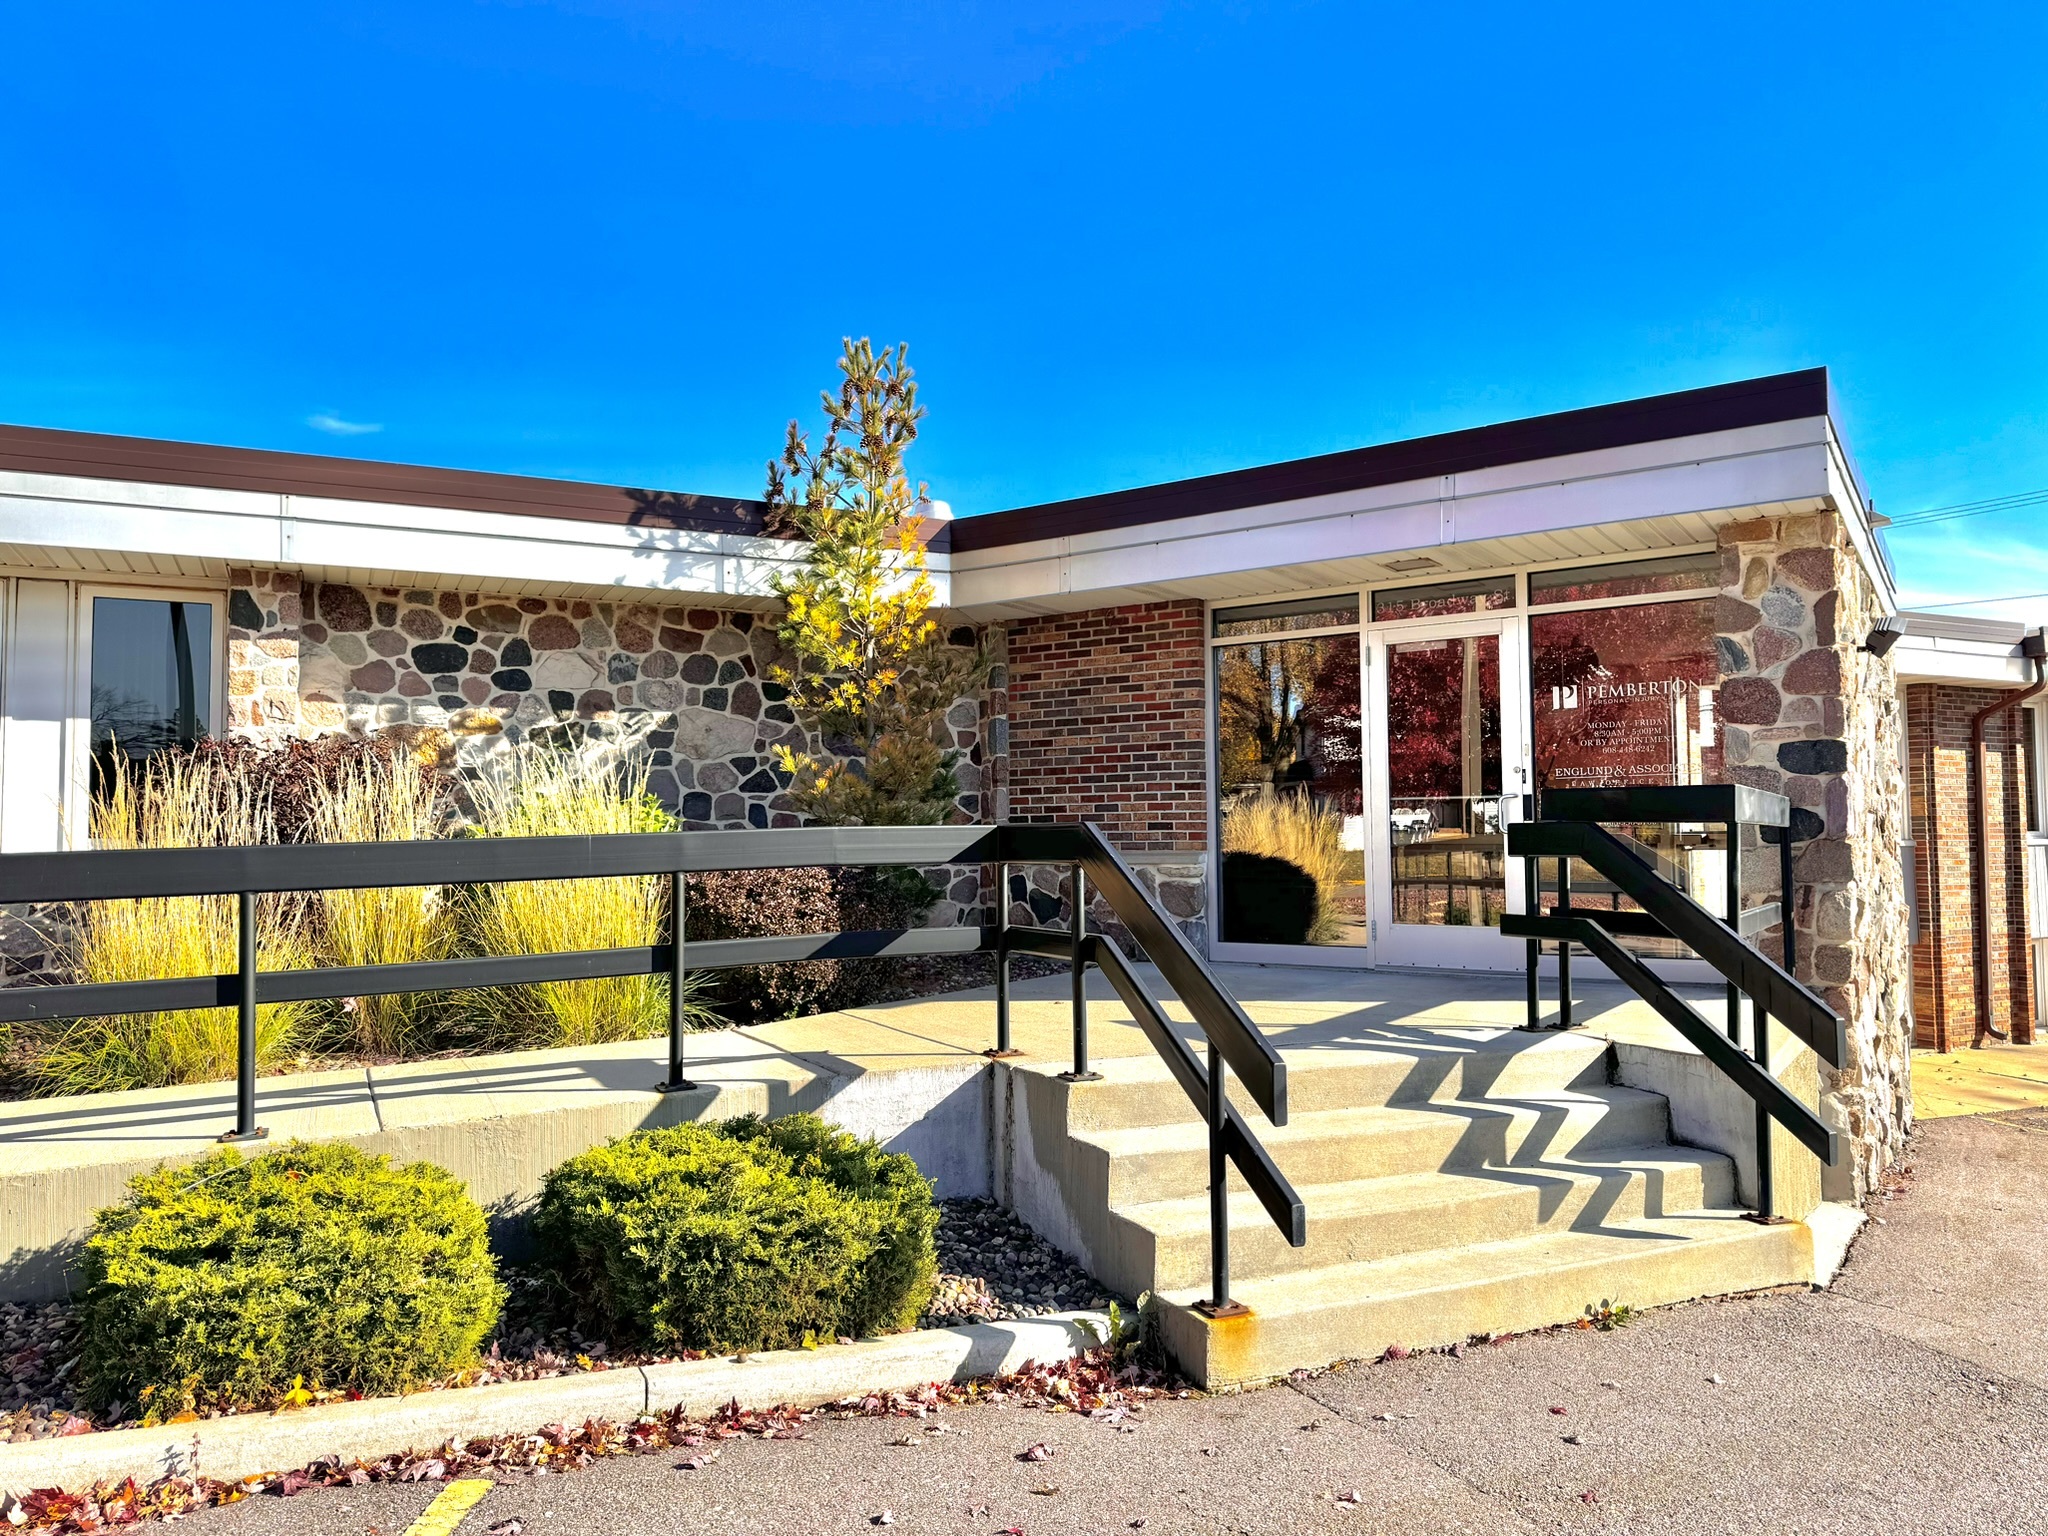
[
  {"x": 227, "y": 1281},
  {"x": 747, "y": 1235}
]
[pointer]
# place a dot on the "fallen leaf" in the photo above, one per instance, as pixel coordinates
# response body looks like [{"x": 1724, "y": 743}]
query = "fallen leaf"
[
  {"x": 77, "y": 1424},
  {"x": 1351, "y": 1498},
  {"x": 1036, "y": 1452},
  {"x": 1047, "y": 1491},
  {"x": 1557, "y": 1408},
  {"x": 698, "y": 1462},
  {"x": 513, "y": 1527}
]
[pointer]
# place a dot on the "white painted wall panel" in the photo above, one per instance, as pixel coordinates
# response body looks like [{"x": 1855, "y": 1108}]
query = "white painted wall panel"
[{"x": 36, "y": 695}]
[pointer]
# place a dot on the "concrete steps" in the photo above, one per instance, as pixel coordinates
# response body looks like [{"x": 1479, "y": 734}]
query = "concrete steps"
[
  {"x": 1138, "y": 1092},
  {"x": 1457, "y": 1183},
  {"x": 1446, "y": 1296},
  {"x": 1371, "y": 1219},
  {"x": 1336, "y": 1145}
]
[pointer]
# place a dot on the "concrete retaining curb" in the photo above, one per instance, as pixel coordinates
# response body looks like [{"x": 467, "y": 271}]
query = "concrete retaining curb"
[{"x": 246, "y": 1445}]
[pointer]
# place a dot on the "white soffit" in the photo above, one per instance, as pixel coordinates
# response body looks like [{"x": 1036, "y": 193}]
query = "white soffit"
[
  {"x": 62, "y": 522},
  {"x": 1642, "y": 497},
  {"x": 1961, "y": 648}
]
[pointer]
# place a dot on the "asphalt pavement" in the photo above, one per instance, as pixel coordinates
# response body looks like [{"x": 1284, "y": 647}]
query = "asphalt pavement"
[{"x": 1912, "y": 1397}]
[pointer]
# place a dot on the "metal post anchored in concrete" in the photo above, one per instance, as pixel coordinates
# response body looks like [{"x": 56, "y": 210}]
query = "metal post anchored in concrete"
[
  {"x": 1004, "y": 1049},
  {"x": 1077, "y": 928},
  {"x": 246, "y": 1128},
  {"x": 678, "y": 1080}
]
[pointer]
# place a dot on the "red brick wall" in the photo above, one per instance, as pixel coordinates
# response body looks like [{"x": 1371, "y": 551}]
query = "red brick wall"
[
  {"x": 1940, "y": 781},
  {"x": 1106, "y": 722}
]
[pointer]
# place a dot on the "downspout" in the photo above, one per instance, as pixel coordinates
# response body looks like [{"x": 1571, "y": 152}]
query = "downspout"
[{"x": 2034, "y": 648}]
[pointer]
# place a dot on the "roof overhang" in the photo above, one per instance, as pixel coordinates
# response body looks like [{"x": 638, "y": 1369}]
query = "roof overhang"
[
  {"x": 1957, "y": 648},
  {"x": 1669, "y": 494},
  {"x": 86, "y": 525}
]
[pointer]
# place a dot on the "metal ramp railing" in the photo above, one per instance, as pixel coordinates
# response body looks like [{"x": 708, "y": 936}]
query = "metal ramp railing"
[{"x": 1569, "y": 827}]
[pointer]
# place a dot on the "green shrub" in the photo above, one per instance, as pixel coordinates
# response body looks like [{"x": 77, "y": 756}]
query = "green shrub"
[
  {"x": 749, "y": 1235},
  {"x": 228, "y": 1281}
]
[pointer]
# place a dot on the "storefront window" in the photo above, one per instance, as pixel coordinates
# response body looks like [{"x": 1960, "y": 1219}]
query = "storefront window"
[
  {"x": 1625, "y": 697},
  {"x": 1626, "y": 578},
  {"x": 1290, "y": 809},
  {"x": 1444, "y": 599},
  {"x": 1285, "y": 618}
]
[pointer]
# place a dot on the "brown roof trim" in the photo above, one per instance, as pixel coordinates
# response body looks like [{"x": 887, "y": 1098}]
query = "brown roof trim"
[
  {"x": 1718, "y": 408},
  {"x": 44, "y": 451}
]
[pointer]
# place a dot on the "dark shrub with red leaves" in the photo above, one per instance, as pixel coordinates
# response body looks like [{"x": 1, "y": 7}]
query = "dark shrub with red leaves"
[
  {"x": 294, "y": 773},
  {"x": 756, "y": 903}
]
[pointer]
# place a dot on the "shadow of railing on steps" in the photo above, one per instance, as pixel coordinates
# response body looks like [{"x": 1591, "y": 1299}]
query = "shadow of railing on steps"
[{"x": 1569, "y": 828}]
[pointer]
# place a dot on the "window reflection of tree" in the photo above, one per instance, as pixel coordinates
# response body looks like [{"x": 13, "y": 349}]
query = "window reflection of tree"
[{"x": 1289, "y": 717}]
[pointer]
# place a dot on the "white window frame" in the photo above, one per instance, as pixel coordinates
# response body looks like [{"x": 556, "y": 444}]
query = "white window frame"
[
  {"x": 1368, "y": 631},
  {"x": 78, "y": 776}
]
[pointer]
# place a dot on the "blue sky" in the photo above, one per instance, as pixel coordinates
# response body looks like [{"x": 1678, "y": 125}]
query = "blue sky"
[{"x": 1126, "y": 241}]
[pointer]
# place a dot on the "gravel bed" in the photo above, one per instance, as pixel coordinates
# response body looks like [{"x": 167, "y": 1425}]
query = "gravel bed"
[
  {"x": 38, "y": 1353},
  {"x": 992, "y": 1267}
]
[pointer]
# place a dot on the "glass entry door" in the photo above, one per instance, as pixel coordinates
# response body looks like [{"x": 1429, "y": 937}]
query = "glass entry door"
[{"x": 1450, "y": 776}]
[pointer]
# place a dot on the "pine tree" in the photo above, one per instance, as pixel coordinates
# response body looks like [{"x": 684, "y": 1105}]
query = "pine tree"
[{"x": 872, "y": 669}]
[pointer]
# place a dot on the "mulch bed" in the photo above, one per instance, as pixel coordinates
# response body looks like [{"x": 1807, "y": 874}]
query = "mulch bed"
[{"x": 991, "y": 1268}]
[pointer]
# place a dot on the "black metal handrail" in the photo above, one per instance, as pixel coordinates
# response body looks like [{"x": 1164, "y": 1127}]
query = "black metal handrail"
[
  {"x": 247, "y": 872},
  {"x": 1570, "y": 829}
]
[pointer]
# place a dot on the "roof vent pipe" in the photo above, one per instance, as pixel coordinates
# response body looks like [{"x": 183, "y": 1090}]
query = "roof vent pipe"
[{"x": 2033, "y": 648}]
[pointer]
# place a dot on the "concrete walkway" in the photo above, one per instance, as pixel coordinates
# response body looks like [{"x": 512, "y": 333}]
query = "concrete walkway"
[
  {"x": 1913, "y": 1397},
  {"x": 908, "y": 1073},
  {"x": 1977, "y": 1081}
]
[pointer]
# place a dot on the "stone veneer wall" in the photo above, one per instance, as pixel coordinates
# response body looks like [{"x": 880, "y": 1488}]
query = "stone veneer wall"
[
  {"x": 683, "y": 685},
  {"x": 264, "y": 615},
  {"x": 1942, "y": 784},
  {"x": 1808, "y": 713}
]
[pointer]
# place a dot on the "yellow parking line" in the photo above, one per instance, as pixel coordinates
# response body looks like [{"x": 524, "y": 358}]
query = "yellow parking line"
[{"x": 450, "y": 1505}]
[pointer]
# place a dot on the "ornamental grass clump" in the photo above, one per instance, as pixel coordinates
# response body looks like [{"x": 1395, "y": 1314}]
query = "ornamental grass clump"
[
  {"x": 1297, "y": 830},
  {"x": 549, "y": 794},
  {"x": 754, "y": 1234},
  {"x": 173, "y": 801},
  {"x": 235, "y": 1282},
  {"x": 388, "y": 796}
]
